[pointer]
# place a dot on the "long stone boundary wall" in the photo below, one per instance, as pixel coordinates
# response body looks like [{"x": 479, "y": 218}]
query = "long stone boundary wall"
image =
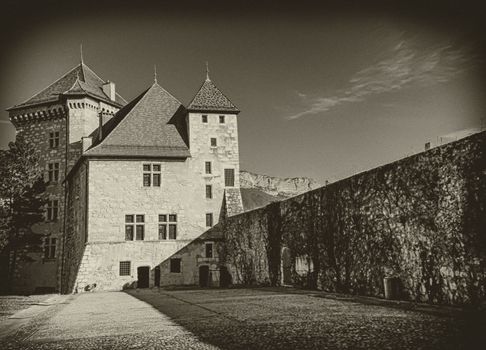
[{"x": 421, "y": 219}]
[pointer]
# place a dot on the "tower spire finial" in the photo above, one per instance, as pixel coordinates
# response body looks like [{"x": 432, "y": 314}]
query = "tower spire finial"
[
  {"x": 81, "y": 52},
  {"x": 207, "y": 71},
  {"x": 155, "y": 73}
]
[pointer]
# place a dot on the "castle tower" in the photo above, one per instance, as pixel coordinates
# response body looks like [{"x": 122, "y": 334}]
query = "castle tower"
[
  {"x": 55, "y": 120},
  {"x": 213, "y": 139}
]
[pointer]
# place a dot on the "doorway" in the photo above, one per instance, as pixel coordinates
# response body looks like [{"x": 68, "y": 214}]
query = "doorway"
[
  {"x": 157, "y": 276},
  {"x": 143, "y": 273},
  {"x": 204, "y": 276}
]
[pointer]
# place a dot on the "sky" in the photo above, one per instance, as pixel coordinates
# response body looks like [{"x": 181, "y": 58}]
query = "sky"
[{"x": 324, "y": 91}]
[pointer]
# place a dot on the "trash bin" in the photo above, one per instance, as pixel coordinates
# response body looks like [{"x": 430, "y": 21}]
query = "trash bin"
[{"x": 392, "y": 285}]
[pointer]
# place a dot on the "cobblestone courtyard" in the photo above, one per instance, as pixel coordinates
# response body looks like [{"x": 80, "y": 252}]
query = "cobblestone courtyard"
[{"x": 236, "y": 319}]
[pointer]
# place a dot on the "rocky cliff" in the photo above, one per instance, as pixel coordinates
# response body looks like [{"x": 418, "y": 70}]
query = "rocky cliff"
[{"x": 276, "y": 186}]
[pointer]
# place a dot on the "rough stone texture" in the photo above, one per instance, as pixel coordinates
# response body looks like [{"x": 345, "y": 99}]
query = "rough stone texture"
[
  {"x": 421, "y": 219},
  {"x": 276, "y": 186},
  {"x": 114, "y": 188},
  {"x": 74, "y": 119}
]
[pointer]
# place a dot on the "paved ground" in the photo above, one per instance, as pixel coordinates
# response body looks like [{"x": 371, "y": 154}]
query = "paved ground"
[
  {"x": 236, "y": 319},
  {"x": 10, "y": 304}
]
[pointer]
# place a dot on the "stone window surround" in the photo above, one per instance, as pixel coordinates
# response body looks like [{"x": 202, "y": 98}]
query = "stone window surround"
[
  {"x": 53, "y": 171},
  {"x": 231, "y": 180},
  {"x": 52, "y": 210},
  {"x": 125, "y": 268},
  {"x": 54, "y": 139},
  {"x": 222, "y": 119},
  {"x": 213, "y": 142},
  {"x": 211, "y": 250},
  {"x": 152, "y": 174},
  {"x": 49, "y": 248},
  {"x": 209, "y": 220},
  {"x": 167, "y": 227},
  {"x": 134, "y": 222},
  {"x": 208, "y": 167},
  {"x": 209, "y": 191},
  {"x": 204, "y": 118},
  {"x": 175, "y": 264}
]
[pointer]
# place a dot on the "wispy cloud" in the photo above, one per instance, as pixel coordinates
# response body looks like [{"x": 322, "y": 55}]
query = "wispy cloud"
[{"x": 403, "y": 66}]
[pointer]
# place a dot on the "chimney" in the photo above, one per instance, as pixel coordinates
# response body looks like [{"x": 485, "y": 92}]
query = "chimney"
[
  {"x": 427, "y": 146},
  {"x": 86, "y": 141},
  {"x": 104, "y": 116},
  {"x": 109, "y": 90}
]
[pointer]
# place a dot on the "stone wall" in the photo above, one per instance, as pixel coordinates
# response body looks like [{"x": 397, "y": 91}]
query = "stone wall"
[{"x": 421, "y": 219}]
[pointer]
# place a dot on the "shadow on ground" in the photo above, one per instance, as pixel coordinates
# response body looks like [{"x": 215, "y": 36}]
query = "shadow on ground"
[{"x": 280, "y": 319}]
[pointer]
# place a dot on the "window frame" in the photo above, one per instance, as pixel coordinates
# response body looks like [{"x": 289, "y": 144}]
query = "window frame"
[
  {"x": 204, "y": 118},
  {"x": 208, "y": 167},
  {"x": 169, "y": 224},
  {"x": 49, "y": 248},
  {"x": 232, "y": 178},
  {"x": 53, "y": 171},
  {"x": 151, "y": 174},
  {"x": 209, "y": 191},
  {"x": 136, "y": 222},
  {"x": 222, "y": 119},
  {"x": 54, "y": 139},
  {"x": 206, "y": 245},
  {"x": 52, "y": 210},
  {"x": 209, "y": 220},
  {"x": 124, "y": 268},
  {"x": 215, "y": 142},
  {"x": 171, "y": 266}
]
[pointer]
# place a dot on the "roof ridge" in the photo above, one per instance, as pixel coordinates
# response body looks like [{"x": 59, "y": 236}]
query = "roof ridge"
[
  {"x": 197, "y": 92},
  {"x": 38, "y": 92}
]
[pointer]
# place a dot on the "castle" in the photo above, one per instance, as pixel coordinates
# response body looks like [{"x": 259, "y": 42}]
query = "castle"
[{"x": 129, "y": 183}]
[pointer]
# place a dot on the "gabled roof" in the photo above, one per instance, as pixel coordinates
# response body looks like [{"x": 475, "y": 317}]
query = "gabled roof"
[
  {"x": 80, "y": 80},
  {"x": 210, "y": 99},
  {"x": 152, "y": 125}
]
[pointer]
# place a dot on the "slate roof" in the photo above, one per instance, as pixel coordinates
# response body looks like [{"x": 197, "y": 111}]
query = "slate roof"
[
  {"x": 210, "y": 99},
  {"x": 152, "y": 125},
  {"x": 81, "y": 80}
]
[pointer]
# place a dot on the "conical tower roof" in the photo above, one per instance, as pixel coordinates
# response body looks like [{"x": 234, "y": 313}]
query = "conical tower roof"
[{"x": 210, "y": 99}]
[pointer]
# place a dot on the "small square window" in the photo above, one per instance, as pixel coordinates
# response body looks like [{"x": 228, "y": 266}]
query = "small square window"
[
  {"x": 214, "y": 142},
  {"x": 175, "y": 265},
  {"x": 221, "y": 119},
  {"x": 204, "y": 118},
  {"x": 125, "y": 268},
  {"x": 140, "y": 218},
  {"x": 162, "y": 218},
  {"x": 128, "y": 218},
  {"x": 208, "y": 168},
  {"x": 156, "y": 167},
  {"x": 209, "y": 219},
  {"x": 173, "y": 218},
  {"x": 146, "y": 167}
]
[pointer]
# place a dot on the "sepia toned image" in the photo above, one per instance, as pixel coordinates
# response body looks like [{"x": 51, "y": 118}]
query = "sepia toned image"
[{"x": 243, "y": 175}]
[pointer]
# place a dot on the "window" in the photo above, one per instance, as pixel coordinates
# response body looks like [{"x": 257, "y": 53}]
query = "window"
[
  {"x": 175, "y": 265},
  {"x": 209, "y": 219},
  {"x": 50, "y": 248},
  {"x": 221, "y": 119},
  {"x": 134, "y": 224},
  {"x": 208, "y": 168},
  {"x": 53, "y": 172},
  {"x": 151, "y": 175},
  {"x": 52, "y": 210},
  {"x": 209, "y": 250},
  {"x": 125, "y": 268},
  {"x": 204, "y": 118},
  {"x": 214, "y": 143},
  {"x": 167, "y": 228},
  {"x": 209, "y": 191},
  {"x": 229, "y": 177},
  {"x": 54, "y": 139}
]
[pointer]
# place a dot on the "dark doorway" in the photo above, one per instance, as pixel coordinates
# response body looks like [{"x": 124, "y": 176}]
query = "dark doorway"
[
  {"x": 143, "y": 273},
  {"x": 286, "y": 266},
  {"x": 224, "y": 277},
  {"x": 157, "y": 276},
  {"x": 204, "y": 276}
]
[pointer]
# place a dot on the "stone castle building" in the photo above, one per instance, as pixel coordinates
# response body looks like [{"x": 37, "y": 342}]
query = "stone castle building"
[{"x": 129, "y": 184}]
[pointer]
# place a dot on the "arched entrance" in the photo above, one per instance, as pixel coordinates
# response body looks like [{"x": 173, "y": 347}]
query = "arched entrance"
[
  {"x": 204, "y": 276},
  {"x": 286, "y": 266}
]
